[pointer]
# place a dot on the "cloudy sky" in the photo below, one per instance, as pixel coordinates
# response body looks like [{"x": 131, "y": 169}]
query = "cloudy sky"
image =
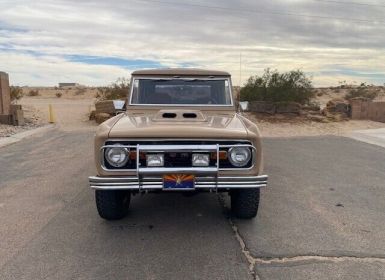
[{"x": 95, "y": 42}]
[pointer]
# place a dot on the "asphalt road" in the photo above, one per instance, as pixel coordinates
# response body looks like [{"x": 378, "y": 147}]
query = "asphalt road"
[{"x": 322, "y": 217}]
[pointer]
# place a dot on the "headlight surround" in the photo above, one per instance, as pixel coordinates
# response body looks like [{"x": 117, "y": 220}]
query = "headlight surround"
[
  {"x": 116, "y": 156},
  {"x": 239, "y": 156}
]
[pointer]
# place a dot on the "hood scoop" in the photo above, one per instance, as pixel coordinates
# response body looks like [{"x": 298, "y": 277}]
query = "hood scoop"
[{"x": 179, "y": 116}]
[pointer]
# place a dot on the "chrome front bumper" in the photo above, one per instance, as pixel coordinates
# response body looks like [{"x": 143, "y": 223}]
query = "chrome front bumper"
[{"x": 156, "y": 183}]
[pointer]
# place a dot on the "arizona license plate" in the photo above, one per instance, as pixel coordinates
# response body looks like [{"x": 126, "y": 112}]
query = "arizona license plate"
[{"x": 178, "y": 181}]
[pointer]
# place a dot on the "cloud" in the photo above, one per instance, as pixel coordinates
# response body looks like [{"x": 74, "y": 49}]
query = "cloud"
[{"x": 94, "y": 42}]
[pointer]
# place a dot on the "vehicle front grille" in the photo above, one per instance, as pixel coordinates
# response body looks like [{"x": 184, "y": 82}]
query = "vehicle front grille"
[{"x": 176, "y": 159}]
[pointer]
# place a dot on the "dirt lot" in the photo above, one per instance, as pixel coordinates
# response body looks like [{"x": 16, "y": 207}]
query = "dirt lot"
[
  {"x": 72, "y": 108},
  {"x": 323, "y": 95},
  {"x": 283, "y": 126},
  {"x": 70, "y": 114}
]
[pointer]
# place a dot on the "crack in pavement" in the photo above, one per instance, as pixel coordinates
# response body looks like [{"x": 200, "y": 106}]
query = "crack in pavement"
[
  {"x": 250, "y": 259},
  {"x": 296, "y": 260},
  {"x": 245, "y": 251},
  {"x": 293, "y": 260}
]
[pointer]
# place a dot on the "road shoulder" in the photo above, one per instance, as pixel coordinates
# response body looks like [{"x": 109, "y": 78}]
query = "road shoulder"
[{"x": 5, "y": 141}]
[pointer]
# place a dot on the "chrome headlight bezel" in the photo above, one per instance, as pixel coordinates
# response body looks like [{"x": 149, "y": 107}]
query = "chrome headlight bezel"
[
  {"x": 247, "y": 153},
  {"x": 122, "y": 152}
]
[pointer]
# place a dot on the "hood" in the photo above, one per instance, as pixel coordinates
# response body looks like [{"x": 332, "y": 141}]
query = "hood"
[{"x": 179, "y": 124}]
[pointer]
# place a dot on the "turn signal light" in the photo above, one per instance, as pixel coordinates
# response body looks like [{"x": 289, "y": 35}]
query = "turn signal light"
[
  {"x": 222, "y": 155},
  {"x": 133, "y": 155}
]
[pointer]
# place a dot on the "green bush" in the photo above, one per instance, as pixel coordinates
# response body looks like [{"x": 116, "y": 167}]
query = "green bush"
[
  {"x": 272, "y": 86},
  {"x": 16, "y": 93},
  {"x": 117, "y": 90},
  {"x": 363, "y": 91}
]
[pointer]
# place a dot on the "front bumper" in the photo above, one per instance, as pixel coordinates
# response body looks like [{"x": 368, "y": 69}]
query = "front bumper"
[{"x": 156, "y": 183}]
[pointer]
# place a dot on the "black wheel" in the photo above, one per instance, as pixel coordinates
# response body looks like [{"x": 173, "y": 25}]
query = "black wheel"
[
  {"x": 245, "y": 202},
  {"x": 112, "y": 204}
]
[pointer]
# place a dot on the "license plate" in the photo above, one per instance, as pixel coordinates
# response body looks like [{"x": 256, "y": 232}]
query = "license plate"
[{"x": 178, "y": 181}]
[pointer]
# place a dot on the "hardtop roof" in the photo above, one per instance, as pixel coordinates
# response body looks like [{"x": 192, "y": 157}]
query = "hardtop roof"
[{"x": 180, "y": 72}]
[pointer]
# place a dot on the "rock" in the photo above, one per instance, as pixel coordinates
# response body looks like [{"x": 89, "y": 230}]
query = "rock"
[
  {"x": 339, "y": 117},
  {"x": 288, "y": 107},
  {"x": 262, "y": 107},
  {"x": 338, "y": 105},
  {"x": 318, "y": 118},
  {"x": 312, "y": 107},
  {"x": 337, "y": 109},
  {"x": 101, "y": 117},
  {"x": 92, "y": 115}
]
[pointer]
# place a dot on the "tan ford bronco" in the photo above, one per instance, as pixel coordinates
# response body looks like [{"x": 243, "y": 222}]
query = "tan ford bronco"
[{"x": 180, "y": 133}]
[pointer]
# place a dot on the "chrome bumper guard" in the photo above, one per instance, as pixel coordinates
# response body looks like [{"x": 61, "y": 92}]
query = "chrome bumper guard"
[
  {"x": 156, "y": 183},
  {"x": 149, "y": 178}
]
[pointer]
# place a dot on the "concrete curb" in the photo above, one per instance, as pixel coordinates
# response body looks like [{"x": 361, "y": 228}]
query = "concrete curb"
[
  {"x": 370, "y": 136},
  {"x": 5, "y": 141}
]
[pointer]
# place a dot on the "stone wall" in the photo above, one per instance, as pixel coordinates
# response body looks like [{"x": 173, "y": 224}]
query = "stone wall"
[
  {"x": 273, "y": 108},
  {"x": 368, "y": 110}
]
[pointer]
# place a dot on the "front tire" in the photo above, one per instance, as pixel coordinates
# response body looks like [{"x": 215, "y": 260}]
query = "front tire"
[
  {"x": 245, "y": 202},
  {"x": 112, "y": 204}
]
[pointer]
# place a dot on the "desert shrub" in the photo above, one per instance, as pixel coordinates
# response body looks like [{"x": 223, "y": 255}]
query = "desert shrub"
[
  {"x": 16, "y": 93},
  {"x": 80, "y": 91},
  {"x": 343, "y": 84},
  {"x": 272, "y": 86},
  {"x": 33, "y": 92},
  {"x": 363, "y": 91},
  {"x": 58, "y": 94},
  {"x": 117, "y": 90}
]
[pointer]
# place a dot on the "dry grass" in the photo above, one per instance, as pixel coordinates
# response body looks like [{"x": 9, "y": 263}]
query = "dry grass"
[{"x": 66, "y": 93}]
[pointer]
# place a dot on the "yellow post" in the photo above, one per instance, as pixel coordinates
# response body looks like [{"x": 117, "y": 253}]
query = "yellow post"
[{"x": 51, "y": 114}]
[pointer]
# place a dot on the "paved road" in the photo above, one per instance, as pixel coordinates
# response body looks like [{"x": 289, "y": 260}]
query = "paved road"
[{"x": 322, "y": 217}]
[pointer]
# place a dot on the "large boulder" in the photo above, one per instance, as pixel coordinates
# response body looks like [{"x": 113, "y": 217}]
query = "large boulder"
[
  {"x": 337, "y": 110},
  {"x": 338, "y": 105}
]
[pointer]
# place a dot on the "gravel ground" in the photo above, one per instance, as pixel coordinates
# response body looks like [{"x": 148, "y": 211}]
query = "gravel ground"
[
  {"x": 33, "y": 119},
  {"x": 9, "y": 130}
]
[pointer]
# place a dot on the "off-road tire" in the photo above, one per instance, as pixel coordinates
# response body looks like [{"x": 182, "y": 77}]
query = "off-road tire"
[
  {"x": 245, "y": 202},
  {"x": 112, "y": 204}
]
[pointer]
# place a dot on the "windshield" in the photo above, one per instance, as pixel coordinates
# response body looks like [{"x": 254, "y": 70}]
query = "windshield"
[{"x": 181, "y": 92}]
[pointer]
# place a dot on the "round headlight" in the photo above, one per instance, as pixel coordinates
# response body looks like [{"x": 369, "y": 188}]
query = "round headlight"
[
  {"x": 116, "y": 156},
  {"x": 239, "y": 156}
]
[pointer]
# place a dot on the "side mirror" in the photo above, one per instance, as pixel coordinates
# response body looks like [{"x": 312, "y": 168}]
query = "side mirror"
[{"x": 243, "y": 106}]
